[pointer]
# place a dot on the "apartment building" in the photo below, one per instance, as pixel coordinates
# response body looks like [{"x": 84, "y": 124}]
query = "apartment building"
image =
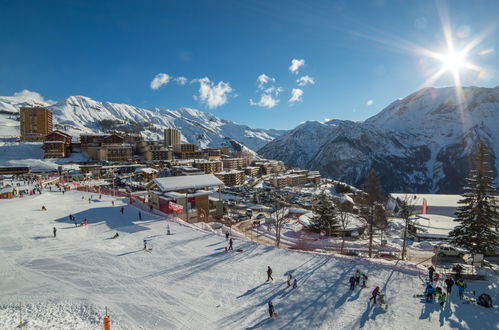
[
  {"x": 233, "y": 163},
  {"x": 251, "y": 170},
  {"x": 57, "y": 145},
  {"x": 231, "y": 178},
  {"x": 34, "y": 123},
  {"x": 209, "y": 167},
  {"x": 172, "y": 136}
]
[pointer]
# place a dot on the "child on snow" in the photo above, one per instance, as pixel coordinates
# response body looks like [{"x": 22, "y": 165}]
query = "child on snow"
[
  {"x": 374, "y": 294},
  {"x": 357, "y": 277},
  {"x": 429, "y": 292},
  {"x": 290, "y": 277},
  {"x": 461, "y": 285},
  {"x": 364, "y": 280},
  {"x": 295, "y": 284},
  {"x": 352, "y": 283},
  {"x": 449, "y": 283},
  {"x": 442, "y": 297},
  {"x": 271, "y": 309}
]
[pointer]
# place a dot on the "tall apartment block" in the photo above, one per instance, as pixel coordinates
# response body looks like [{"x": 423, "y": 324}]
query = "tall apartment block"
[
  {"x": 172, "y": 137},
  {"x": 35, "y": 123}
]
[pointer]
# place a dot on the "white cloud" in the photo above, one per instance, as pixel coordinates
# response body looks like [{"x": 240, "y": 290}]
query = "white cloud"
[
  {"x": 296, "y": 95},
  {"x": 266, "y": 101},
  {"x": 264, "y": 79},
  {"x": 369, "y": 103},
  {"x": 305, "y": 80},
  {"x": 28, "y": 96},
  {"x": 213, "y": 95},
  {"x": 274, "y": 90},
  {"x": 159, "y": 80},
  {"x": 181, "y": 81},
  {"x": 295, "y": 65}
]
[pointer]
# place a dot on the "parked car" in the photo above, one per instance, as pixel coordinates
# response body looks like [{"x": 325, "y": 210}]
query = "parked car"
[
  {"x": 260, "y": 216},
  {"x": 450, "y": 251},
  {"x": 241, "y": 217}
]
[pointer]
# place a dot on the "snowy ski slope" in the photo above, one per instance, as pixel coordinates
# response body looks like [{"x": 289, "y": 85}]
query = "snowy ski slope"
[{"x": 186, "y": 281}]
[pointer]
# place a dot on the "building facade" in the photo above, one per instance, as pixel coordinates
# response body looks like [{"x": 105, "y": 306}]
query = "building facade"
[
  {"x": 209, "y": 167},
  {"x": 57, "y": 145},
  {"x": 231, "y": 178},
  {"x": 34, "y": 123},
  {"x": 172, "y": 136}
]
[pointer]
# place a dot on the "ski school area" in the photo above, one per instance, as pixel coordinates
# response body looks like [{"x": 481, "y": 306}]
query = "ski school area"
[{"x": 162, "y": 273}]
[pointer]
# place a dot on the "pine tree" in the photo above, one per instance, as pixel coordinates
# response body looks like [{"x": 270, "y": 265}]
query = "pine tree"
[
  {"x": 325, "y": 218},
  {"x": 477, "y": 215}
]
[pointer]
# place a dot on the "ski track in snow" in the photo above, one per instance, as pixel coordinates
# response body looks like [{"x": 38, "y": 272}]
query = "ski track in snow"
[{"x": 187, "y": 282}]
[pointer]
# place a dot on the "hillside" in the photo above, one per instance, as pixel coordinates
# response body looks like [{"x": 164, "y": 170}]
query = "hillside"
[
  {"x": 423, "y": 141},
  {"x": 79, "y": 114}
]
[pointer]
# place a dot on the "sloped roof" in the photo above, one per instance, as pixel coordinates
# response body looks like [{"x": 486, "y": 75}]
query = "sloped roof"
[{"x": 173, "y": 183}]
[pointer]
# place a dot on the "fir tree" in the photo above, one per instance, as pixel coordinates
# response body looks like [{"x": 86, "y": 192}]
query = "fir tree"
[
  {"x": 477, "y": 215},
  {"x": 325, "y": 218}
]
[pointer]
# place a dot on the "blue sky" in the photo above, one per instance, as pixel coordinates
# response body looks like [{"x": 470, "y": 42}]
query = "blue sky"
[{"x": 360, "y": 55}]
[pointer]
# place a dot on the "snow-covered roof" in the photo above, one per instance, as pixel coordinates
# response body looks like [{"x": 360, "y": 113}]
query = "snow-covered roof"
[
  {"x": 147, "y": 170},
  {"x": 431, "y": 199},
  {"x": 6, "y": 190},
  {"x": 187, "y": 182}
]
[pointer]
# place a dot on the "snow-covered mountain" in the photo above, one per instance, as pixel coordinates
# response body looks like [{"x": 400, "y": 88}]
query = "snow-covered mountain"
[
  {"x": 421, "y": 143},
  {"x": 79, "y": 114}
]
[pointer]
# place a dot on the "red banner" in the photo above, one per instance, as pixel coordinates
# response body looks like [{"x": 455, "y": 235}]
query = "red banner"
[{"x": 423, "y": 211}]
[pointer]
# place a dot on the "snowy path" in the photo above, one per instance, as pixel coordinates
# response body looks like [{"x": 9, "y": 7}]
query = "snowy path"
[{"x": 187, "y": 281}]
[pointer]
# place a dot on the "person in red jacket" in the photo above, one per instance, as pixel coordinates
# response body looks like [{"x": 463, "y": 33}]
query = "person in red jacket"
[{"x": 374, "y": 294}]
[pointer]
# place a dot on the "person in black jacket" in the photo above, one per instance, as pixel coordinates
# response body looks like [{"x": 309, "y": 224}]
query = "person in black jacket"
[
  {"x": 230, "y": 244},
  {"x": 352, "y": 283},
  {"x": 271, "y": 309},
  {"x": 269, "y": 274},
  {"x": 431, "y": 270},
  {"x": 449, "y": 283}
]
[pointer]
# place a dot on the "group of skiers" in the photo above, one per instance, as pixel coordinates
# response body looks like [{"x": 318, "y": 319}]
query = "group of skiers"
[
  {"x": 355, "y": 279},
  {"x": 437, "y": 293},
  {"x": 272, "y": 312}
]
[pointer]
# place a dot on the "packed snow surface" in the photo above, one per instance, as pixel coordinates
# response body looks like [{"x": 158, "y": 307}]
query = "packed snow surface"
[{"x": 187, "y": 281}]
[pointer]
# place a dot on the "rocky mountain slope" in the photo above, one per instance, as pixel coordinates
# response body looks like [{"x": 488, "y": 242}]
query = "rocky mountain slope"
[
  {"x": 79, "y": 114},
  {"x": 421, "y": 143}
]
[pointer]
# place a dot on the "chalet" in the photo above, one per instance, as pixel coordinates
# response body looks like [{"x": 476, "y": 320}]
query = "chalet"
[{"x": 57, "y": 144}]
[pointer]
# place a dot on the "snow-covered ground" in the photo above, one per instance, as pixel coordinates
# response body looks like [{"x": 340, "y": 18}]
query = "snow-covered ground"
[
  {"x": 188, "y": 282},
  {"x": 31, "y": 154}
]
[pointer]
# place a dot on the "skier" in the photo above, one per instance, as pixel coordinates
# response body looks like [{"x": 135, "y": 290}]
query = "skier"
[
  {"x": 227, "y": 235},
  {"x": 429, "y": 292},
  {"x": 357, "y": 277},
  {"x": 431, "y": 270},
  {"x": 55, "y": 231},
  {"x": 122, "y": 210},
  {"x": 271, "y": 309},
  {"x": 89, "y": 200},
  {"x": 230, "y": 244},
  {"x": 168, "y": 229},
  {"x": 295, "y": 283},
  {"x": 82, "y": 197},
  {"x": 364, "y": 280},
  {"x": 374, "y": 294},
  {"x": 352, "y": 283},
  {"x": 449, "y": 283},
  {"x": 290, "y": 277},
  {"x": 116, "y": 236},
  {"x": 442, "y": 297},
  {"x": 269, "y": 274},
  {"x": 145, "y": 244},
  {"x": 461, "y": 285},
  {"x": 140, "y": 215}
]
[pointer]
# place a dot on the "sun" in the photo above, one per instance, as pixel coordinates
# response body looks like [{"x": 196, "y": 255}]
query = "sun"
[{"x": 453, "y": 61}]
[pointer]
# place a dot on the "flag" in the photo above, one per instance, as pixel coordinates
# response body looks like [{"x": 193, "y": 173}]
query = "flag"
[{"x": 423, "y": 211}]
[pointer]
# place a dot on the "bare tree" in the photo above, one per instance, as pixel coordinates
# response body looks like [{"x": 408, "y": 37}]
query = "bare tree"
[
  {"x": 343, "y": 212},
  {"x": 371, "y": 197},
  {"x": 280, "y": 210},
  {"x": 406, "y": 211}
]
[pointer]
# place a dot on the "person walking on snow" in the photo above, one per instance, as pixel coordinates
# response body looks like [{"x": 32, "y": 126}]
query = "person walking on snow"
[
  {"x": 364, "y": 280},
  {"x": 269, "y": 274},
  {"x": 122, "y": 210},
  {"x": 55, "y": 231},
  {"x": 461, "y": 285},
  {"x": 271, "y": 309},
  {"x": 227, "y": 235},
  {"x": 352, "y": 283},
  {"x": 295, "y": 283},
  {"x": 140, "y": 215},
  {"x": 230, "y": 244},
  {"x": 449, "y": 283},
  {"x": 442, "y": 297},
  {"x": 429, "y": 292},
  {"x": 112, "y": 203},
  {"x": 431, "y": 270},
  {"x": 357, "y": 277},
  {"x": 290, "y": 277},
  {"x": 145, "y": 244},
  {"x": 374, "y": 294}
]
